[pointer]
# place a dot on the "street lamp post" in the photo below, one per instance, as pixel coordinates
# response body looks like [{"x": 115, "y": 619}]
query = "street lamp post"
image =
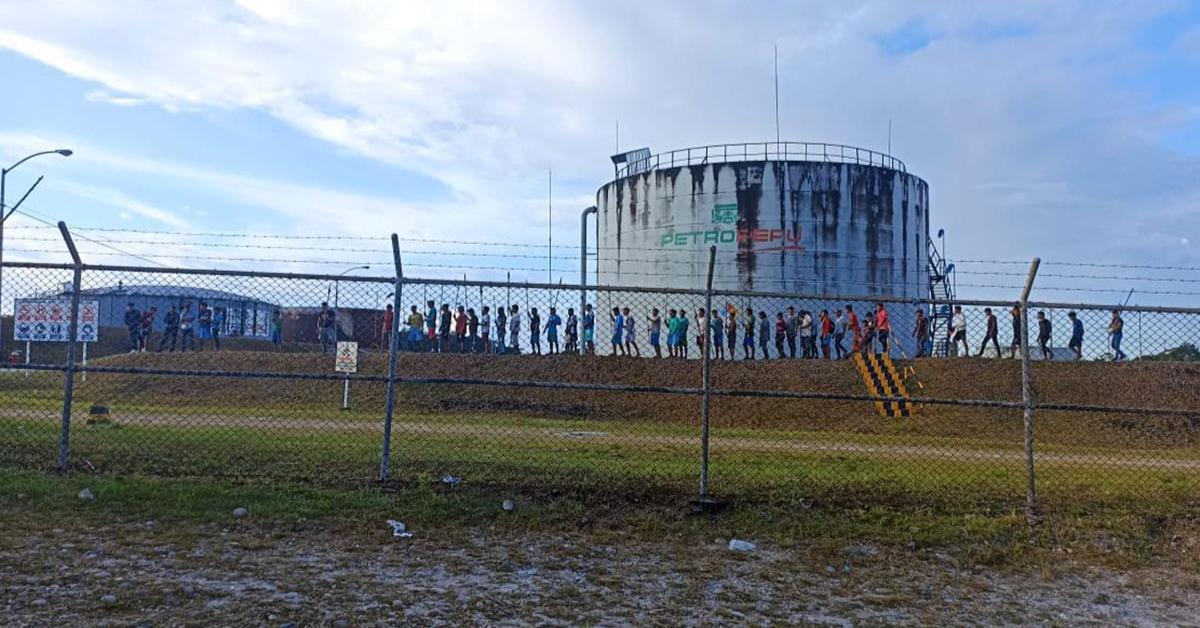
[
  {"x": 342, "y": 274},
  {"x": 5, "y": 212}
]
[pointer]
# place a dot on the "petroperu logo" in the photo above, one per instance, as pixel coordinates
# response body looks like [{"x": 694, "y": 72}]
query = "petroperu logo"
[{"x": 760, "y": 240}]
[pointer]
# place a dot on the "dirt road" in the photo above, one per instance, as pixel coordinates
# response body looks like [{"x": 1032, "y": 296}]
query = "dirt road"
[{"x": 143, "y": 573}]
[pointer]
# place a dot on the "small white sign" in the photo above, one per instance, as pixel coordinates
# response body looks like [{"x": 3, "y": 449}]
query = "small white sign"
[
  {"x": 346, "y": 360},
  {"x": 47, "y": 320}
]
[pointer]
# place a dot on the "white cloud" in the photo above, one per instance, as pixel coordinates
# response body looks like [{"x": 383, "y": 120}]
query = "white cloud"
[{"x": 1024, "y": 138}]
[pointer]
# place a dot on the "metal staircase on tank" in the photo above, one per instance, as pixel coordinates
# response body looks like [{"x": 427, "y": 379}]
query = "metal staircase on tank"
[{"x": 941, "y": 292}]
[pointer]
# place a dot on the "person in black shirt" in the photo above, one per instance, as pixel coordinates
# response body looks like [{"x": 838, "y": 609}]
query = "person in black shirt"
[
  {"x": 133, "y": 323},
  {"x": 171, "y": 332},
  {"x": 1016, "y": 326},
  {"x": 993, "y": 332},
  {"x": 472, "y": 330},
  {"x": 444, "y": 319},
  {"x": 1044, "y": 335},
  {"x": 326, "y": 328},
  {"x": 535, "y": 331}
]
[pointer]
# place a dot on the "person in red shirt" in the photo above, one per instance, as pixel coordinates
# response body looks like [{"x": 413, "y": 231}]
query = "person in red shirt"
[
  {"x": 385, "y": 333},
  {"x": 826, "y": 333},
  {"x": 882, "y": 328},
  {"x": 460, "y": 328},
  {"x": 855, "y": 329}
]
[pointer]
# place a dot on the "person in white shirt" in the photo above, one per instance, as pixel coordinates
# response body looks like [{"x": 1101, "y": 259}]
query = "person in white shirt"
[
  {"x": 631, "y": 345},
  {"x": 958, "y": 332},
  {"x": 485, "y": 326}
]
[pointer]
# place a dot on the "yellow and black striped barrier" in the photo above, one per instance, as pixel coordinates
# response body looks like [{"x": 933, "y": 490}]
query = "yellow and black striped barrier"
[{"x": 880, "y": 376}]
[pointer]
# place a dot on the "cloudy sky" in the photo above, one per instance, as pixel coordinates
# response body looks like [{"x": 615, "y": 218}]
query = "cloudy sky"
[{"x": 1066, "y": 129}]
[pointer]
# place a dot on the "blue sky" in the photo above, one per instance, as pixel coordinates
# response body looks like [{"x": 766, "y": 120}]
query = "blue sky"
[{"x": 1069, "y": 130}]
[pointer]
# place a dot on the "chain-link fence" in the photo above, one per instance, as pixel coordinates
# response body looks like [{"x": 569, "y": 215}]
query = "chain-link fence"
[{"x": 232, "y": 374}]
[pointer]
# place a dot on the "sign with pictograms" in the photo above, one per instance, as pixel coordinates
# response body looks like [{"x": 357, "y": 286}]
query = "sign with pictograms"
[
  {"x": 47, "y": 320},
  {"x": 346, "y": 359}
]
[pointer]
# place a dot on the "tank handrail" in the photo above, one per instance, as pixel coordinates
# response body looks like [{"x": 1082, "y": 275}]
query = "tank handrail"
[{"x": 763, "y": 151}]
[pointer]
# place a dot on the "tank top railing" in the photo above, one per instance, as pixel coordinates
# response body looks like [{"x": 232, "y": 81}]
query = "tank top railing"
[{"x": 763, "y": 151}]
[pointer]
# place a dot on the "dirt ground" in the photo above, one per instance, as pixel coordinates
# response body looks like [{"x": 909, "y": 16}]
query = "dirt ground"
[{"x": 150, "y": 574}]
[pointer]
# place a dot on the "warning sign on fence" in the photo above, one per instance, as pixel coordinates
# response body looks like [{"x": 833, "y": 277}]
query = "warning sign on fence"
[
  {"x": 346, "y": 360},
  {"x": 46, "y": 320}
]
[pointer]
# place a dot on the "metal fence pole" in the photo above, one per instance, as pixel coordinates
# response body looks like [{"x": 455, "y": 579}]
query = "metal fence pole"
[
  {"x": 583, "y": 248},
  {"x": 1027, "y": 395},
  {"x": 64, "y": 443},
  {"x": 706, "y": 375},
  {"x": 392, "y": 351}
]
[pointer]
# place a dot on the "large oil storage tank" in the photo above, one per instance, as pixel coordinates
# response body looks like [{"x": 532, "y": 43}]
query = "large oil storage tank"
[{"x": 818, "y": 219}]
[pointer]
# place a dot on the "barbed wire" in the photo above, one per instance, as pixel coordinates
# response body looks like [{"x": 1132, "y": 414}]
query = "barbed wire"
[{"x": 476, "y": 243}]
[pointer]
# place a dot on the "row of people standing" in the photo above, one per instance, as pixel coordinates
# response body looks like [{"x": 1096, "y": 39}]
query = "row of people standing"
[
  {"x": 182, "y": 327},
  {"x": 957, "y": 333},
  {"x": 463, "y": 330}
]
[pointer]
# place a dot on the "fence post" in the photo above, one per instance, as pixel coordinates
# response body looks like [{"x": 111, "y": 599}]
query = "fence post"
[
  {"x": 72, "y": 327},
  {"x": 392, "y": 351},
  {"x": 583, "y": 248},
  {"x": 1027, "y": 395},
  {"x": 705, "y": 374}
]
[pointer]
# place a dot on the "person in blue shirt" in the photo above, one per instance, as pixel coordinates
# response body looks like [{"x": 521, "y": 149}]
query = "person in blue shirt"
[
  {"x": 618, "y": 331},
  {"x": 717, "y": 325},
  {"x": 682, "y": 334},
  {"x": 552, "y": 323},
  {"x": 218, "y": 324},
  {"x": 589, "y": 329},
  {"x": 204, "y": 319},
  {"x": 1076, "y": 343},
  {"x": 431, "y": 324}
]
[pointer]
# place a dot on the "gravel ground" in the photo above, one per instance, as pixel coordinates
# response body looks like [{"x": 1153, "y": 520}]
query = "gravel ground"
[{"x": 151, "y": 574}]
